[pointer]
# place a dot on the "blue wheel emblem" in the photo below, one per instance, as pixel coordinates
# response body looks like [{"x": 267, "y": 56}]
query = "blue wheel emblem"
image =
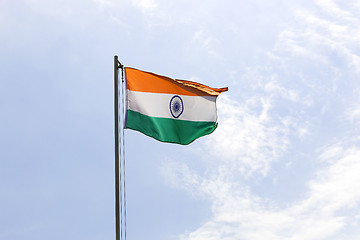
[{"x": 176, "y": 106}]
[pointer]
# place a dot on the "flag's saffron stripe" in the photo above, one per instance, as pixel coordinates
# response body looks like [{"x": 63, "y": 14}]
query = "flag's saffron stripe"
[
  {"x": 195, "y": 108},
  {"x": 168, "y": 130},
  {"x": 141, "y": 81}
]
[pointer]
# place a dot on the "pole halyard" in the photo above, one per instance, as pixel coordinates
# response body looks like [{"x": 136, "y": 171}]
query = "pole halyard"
[{"x": 122, "y": 155}]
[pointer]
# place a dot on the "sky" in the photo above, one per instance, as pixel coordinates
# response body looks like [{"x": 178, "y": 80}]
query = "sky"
[{"x": 283, "y": 163}]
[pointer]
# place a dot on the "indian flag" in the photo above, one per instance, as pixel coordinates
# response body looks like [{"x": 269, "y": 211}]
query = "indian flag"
[{"x": 169, "y": 110}]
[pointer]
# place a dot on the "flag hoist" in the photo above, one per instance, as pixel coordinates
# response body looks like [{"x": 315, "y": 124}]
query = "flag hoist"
[{"x": 166, "y": 109}]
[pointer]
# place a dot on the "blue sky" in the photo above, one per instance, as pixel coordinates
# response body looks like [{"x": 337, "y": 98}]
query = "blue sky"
[{"x": 284, "y": 162}]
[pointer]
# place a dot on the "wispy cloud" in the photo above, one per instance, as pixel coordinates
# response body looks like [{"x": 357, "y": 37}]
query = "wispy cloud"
[
  {"x": 353, "y": 113},
  {"x": 331, "y": 205},
  {"x": 332, "y": 38},
  {"x": 146, "y": 6},
  {"x": 254, "y": 134},
  {"x": 242, "y": 139}
]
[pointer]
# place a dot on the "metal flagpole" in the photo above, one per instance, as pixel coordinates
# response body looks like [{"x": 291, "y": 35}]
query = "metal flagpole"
[
  {"x": 116, "y": 109},
  {"x": 120, "y": 192}
]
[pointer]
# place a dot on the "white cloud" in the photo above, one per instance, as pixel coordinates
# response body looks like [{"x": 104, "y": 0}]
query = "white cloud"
[
  {"x": 179, "y": 175},
  {"x": 322, "y": 38},
  {"x": 238, "y": 214},
  {"x": 253, "y": 135},
  {"x": 208, "y": 43},
  {"x": 335, "y": 186},
  {"x": 353, "y": 114},
  {"x": 147, "y": 6},
  {"x": 105, "y": 3},
  {"x": 332, "y": 8},
  {"x": 242, "y": 139}
]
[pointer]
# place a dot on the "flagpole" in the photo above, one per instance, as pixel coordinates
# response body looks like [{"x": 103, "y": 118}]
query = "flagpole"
[{"x": 116, "y": 109}]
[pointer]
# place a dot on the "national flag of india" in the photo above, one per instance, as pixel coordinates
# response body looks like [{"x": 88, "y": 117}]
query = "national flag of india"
[{"x": 169, "y": 110}]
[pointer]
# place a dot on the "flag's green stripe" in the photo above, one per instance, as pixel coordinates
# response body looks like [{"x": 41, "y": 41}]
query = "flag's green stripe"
[{"x": 167, "y": 129}]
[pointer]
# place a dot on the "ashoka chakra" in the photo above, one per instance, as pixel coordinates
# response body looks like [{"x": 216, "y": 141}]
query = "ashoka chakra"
[{"x": 176, "y": 106}]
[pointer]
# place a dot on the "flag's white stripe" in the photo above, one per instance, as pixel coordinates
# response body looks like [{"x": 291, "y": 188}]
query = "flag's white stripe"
[{"x": 196, "y": 108}]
